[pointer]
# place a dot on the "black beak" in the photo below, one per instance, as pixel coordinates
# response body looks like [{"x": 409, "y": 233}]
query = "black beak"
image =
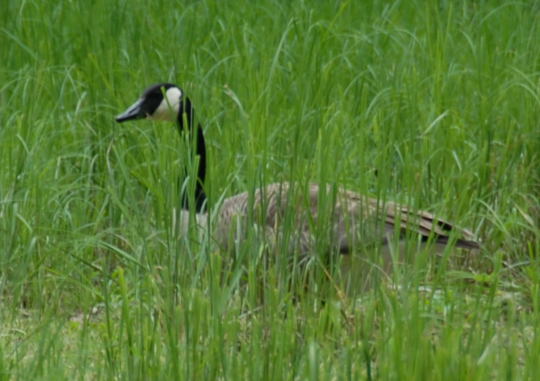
[{"x": 135, "y": 111}]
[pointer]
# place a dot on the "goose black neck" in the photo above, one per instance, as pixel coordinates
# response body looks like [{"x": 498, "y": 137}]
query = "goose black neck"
[{"x": 187, "y": 114}]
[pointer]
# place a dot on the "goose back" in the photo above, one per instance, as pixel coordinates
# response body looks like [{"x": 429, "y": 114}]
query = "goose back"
[{"x": 353, "y": 220}]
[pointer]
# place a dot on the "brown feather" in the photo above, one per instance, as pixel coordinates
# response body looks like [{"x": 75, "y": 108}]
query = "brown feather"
[{"x": 356, "y": 219}]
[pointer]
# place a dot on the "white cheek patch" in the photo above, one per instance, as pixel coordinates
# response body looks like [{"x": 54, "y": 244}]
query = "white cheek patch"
[{"x": 169, "y": 106}]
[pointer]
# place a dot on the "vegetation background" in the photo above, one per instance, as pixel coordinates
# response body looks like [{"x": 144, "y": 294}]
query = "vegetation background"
[{"x": 435, "y": 104}]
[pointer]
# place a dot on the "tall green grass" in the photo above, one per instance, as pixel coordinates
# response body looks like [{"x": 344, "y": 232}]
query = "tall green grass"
[{"x": 436, "y": 105}]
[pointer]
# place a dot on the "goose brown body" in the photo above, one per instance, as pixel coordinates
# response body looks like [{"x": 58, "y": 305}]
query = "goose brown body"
[{"x": 355, "y": 220}]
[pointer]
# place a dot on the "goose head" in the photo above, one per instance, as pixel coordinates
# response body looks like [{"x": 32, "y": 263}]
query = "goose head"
[
  {"x": 167, "y": 102},
  {"x": 162, "y": 101}
]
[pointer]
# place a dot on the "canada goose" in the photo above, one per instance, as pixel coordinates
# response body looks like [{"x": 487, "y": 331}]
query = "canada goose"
[{"x": 350, "y": 212}]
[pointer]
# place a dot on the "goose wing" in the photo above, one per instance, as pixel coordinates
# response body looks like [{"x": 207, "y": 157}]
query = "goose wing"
[{"x": 350, "y": 216}]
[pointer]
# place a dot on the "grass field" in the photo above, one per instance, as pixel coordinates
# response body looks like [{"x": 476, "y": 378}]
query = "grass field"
[{"x": 434, "y": 104}]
